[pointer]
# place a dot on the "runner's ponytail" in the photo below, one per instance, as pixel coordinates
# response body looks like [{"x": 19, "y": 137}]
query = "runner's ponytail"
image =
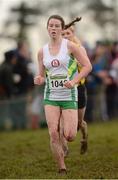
[{"x": 77, "y": 19}]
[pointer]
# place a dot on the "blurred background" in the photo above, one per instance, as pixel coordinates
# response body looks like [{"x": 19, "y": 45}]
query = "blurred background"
[{"x": 23, "y": 32}]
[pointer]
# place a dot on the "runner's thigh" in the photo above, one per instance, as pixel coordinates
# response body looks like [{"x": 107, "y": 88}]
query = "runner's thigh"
[
  {"x": 52, "y": 114},
  {"x": 70, "y": 122}
]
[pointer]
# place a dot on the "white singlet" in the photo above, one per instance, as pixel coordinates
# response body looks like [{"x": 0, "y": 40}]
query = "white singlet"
[{"x": 59, "y": 69}]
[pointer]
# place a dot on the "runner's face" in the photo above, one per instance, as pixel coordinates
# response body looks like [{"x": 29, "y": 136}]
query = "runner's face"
[
  {"x": 67, "y": 34},
  {"x": 54, "y": 28}
]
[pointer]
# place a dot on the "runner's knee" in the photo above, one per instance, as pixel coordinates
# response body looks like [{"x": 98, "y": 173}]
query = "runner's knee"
[
  {"x": 70, "y": 136},
  {"x": 82, "y": 123}
]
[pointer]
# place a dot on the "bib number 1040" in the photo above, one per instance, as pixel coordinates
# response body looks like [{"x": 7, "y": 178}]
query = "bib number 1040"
[{"x": 57, "y": 83}]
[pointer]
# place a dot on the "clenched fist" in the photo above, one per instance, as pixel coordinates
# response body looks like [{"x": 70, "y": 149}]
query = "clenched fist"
[
  {"x": 39, "y": 80},
  {"x": 69, "y": 84}
]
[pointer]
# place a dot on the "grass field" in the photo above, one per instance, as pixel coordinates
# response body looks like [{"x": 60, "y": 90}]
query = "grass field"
[{"x": 26, "y": 155}]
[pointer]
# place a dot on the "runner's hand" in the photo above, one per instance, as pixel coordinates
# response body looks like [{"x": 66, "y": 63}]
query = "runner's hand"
[
  {"x": 39, "y": 80},
  {"x": 69, "y": 84}
]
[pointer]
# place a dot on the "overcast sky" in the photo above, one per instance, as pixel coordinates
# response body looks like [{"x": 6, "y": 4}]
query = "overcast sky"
[
  {"x": 5, "y": 5},
  {"x": 4, "y": 14}
]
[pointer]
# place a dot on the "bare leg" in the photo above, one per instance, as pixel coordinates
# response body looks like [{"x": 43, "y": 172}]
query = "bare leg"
[
  {"x": 62, "y": 138},
  {"x": 68, "y": 128},
  {"x": 70, "y": 121},
  {"x": 84, "y": 130},
  {"x": 83, "y": 127},
  {"x": 53, "y": 117}
]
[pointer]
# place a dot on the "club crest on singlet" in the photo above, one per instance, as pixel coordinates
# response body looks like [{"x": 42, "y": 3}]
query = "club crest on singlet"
[{"x": 55, "y": 63}]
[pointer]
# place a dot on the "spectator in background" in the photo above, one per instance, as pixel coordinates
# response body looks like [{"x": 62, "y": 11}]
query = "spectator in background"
[
  {"x": 6, "y": 85},
  {"x": 6, "y": 75},
  {"x": 95, "y": 84},
  {"x": 114, "y": 50},
  {"x": 25, "y": 83},
  {"x": 111, "y": 82},
  {"x": 23, "y": 86}
]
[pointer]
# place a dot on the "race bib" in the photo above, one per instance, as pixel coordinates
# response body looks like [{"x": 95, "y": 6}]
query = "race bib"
[{"x": 57, "y": 81}]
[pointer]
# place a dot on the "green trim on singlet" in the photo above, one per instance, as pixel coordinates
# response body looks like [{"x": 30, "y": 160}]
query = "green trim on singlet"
[
  {"x": 47, "y": 93},
  {"x": 58, "y": 76}
]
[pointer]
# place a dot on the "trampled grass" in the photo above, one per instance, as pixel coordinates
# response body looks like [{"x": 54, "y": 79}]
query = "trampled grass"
[{"x": 26, "y": 155}]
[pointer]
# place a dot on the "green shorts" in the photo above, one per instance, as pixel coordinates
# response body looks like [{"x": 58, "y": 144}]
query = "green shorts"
[{"x": 63, "y": 104}]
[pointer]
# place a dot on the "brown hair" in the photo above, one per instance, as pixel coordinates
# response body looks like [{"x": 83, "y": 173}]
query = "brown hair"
[
  {"x": 77, "y": 19},
  {"x": 57, "y": 17}
]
